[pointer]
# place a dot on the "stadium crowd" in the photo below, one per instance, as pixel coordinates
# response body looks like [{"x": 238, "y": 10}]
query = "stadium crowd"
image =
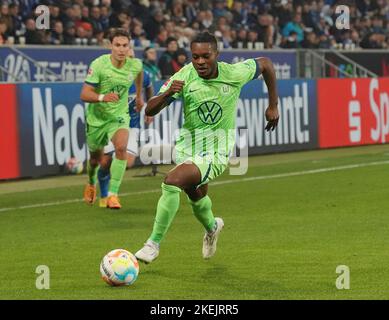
[{"x": 236, "y": 23}]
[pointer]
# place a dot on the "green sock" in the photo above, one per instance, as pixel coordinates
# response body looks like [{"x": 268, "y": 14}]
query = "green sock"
[
  {"x": 166, "y": 210},
  {"x": 118, "y": 167},
  {"x": 202, "y": 209},
  {"x": 92, "y": 173}
]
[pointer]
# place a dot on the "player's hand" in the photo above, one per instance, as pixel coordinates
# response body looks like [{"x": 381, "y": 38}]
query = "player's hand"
[
  {"x": 139, "y": 103},
  {"x": 149, "y": 120},
  {"x": 272, "y": 117},
  {"x": 111, "y": 97},
  {"x": 176, "y": 86}
]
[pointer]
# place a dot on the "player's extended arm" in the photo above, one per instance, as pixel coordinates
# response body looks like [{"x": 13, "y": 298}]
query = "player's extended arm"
[
  {"x": 157, "y": 103},
  {"x": 149, "y": 92},
  {"x": 139, "y": 87},
  {"x": 269, "y": 75},
  {"x": 89, "y": 94}
]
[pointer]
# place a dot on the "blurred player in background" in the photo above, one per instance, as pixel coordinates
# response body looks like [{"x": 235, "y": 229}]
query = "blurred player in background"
[
  {"x": 107, "y": 118},
  {"x": 210, "y": 92},
  {"x": 133, "y": 146}
]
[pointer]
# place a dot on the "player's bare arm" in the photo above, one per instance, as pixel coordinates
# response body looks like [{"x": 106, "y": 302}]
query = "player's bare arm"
[
  {"x": 157, "y": 103},
  {"x": 89, "y": 94},
  {"x": 149, "y": 95},
  {"x": 269, "y": 75},
  {"x": 139, "y": 102}
]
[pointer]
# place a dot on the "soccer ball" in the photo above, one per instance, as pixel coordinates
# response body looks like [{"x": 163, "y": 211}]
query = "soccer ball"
[
  {"x": 119, "y": 268},
  {"x": 74, "y": 166}
]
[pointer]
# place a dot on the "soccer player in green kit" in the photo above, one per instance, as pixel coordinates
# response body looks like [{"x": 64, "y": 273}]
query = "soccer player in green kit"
[
  {"x": 210, "y": 92},
  {"x": 107, "y": 117}
]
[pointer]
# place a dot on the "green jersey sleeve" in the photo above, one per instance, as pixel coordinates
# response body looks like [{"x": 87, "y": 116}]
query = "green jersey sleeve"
[
  {"x": 247, "y": 70},
  {"x": 93, "y": 76},
  {"x": 180, "y": 75},
  {"x": 137, "y": 65}
]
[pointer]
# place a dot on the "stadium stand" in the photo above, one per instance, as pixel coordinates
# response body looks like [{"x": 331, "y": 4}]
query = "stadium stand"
[{"x": 238, "y": 24}]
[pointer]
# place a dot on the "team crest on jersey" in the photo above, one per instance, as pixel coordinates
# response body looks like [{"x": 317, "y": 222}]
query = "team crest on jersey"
[
  {"x": 90, "y": 71},
  {"x": 210, "y": 112},
  {"x": 225, "y": 89}
]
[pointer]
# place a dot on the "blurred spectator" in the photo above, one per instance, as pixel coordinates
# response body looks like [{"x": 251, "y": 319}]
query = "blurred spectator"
[
  {"x": 265, "y": 30},
  {"x": 117, "y": 19},
  {"x": 32, "y": 35},
  {"x": 177, "y": 11},
  {"x": 191, "y": 9},
  {"x": 252, "y": 38},
  {"x": 237, "y": 13},
  {"x": 55, "y": 12},
  {"x": 374, "y": 41},
  {"x": 310, "y": 41},
  {"x": 165, "y": 62},
  {"x": 162, "y": 38},
  {"x": 205, "y": 19},
  {"x": 95, "y": 19},
  {"x": 70, "y": 33},
  {"x": 104, "y": 17},
  {"x": 150, "y": 63},
  {"x": 180, "y": 59},
  {"x": 219, "y": 8},
  {"x": 3, "y": 32},
  {"x": 27, "y": 6},
  {"x": 291, "y": 41},
  {"x": 153, "y": 26},
  {"x": 184, "y": 36},
  {"x": 138, "y": 36},
  {"x": 17, "y": 21},
  {"x": 6, "y": 17},
  {"x": 67, "y": 15},
  {"x": 284, "y": 11},
  {"x": 324, "y": 42},
  {"x": 57, "y": 35},
  {"x": 241, "y": 39},
  {"x": 295, "y": 26}
]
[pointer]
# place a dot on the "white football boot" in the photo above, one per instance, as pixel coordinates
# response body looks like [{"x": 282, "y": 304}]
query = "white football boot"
[
  {"x": 210, "y": 239},
  {"x": 149, "y": 252}
]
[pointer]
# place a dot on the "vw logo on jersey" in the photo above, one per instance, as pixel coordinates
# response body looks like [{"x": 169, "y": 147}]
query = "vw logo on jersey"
[{"x": 210, "y": 112}]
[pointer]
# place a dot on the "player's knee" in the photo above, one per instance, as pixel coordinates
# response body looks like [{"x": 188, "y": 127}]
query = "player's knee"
[
  {"x": 121, "y": 152},
  {"x": 105, "y": 163},
  {"x": 93, "y": 162},
  {"x": 175, "y": 180}
]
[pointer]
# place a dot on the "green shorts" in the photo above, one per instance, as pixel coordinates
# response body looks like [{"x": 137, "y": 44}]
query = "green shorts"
[
  {"x": 98, "y": 137},
  {"x": 210, "y": 166}
]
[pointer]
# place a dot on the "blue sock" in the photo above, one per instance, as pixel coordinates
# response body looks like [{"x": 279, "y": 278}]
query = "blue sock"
[{"x": 103, "y": 177}]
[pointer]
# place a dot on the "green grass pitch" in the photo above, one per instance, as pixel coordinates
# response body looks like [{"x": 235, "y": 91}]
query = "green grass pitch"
[{"x": 288, "y": 226}]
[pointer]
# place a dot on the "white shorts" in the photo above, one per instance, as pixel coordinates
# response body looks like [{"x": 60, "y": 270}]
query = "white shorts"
[{"x": 132, "y": 146}]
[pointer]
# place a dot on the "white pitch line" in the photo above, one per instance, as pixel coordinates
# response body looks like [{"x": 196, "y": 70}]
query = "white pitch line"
[{"x": 218, "y": 183}]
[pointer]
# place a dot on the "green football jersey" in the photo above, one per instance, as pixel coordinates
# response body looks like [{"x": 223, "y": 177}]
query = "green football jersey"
[
  {"x": 210, "y": 106},
  {"x": 107, "y": 79}
]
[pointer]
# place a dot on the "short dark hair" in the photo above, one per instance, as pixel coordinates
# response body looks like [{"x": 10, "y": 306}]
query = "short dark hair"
[
  {"x": 205, "y": 37},
  {"x": 170, "y": 39},
  {"x": 118, "y": 32}
]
